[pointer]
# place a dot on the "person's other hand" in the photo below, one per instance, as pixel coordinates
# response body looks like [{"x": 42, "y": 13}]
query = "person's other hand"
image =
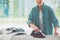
[{"x": 56, "y": 33}]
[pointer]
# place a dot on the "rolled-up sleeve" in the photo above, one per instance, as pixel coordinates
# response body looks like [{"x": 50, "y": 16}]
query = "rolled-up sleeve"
[{"x": 54, "y": 19}]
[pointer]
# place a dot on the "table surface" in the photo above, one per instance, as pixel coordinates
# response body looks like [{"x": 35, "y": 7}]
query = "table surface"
[{"x": 27, "y": 37}]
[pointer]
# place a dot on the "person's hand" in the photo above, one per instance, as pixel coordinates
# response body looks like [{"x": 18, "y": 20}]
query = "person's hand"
[
  {"x": 36, "y": 29},
  {"x": 56, "y": 33}
]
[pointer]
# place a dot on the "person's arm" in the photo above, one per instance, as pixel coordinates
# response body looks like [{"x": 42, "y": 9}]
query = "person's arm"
[
  {"x": 55, "y": 22},
  {"x": 34, "y": 27},
  {"x": 55, "y": 31},
  {"x": 30, "y": 21}
]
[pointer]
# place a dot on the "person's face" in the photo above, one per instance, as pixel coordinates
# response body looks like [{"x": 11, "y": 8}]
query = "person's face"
[{"x": 39, "y": 1}]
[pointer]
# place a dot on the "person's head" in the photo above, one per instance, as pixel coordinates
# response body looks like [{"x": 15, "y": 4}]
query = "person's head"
[{"x": 39, "y": 2}]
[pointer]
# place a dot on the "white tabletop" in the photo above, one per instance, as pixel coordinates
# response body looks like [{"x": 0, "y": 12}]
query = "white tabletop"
[{"x": 27, "y": 37}]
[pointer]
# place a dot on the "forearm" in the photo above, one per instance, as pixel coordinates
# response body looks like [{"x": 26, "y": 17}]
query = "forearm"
[
  {"x": 34, "y": 27},
  {"x": 55, "y": 31},
  {"x": 56, "y": 28}
]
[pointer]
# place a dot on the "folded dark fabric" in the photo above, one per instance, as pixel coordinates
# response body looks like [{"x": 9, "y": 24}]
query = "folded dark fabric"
[
  {"x": 14, "y": 29},
  {"x": 20, "y": 34},
  {"x": 37, "y": 35}
]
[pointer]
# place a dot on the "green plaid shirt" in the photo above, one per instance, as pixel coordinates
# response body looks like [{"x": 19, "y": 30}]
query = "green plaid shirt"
[{"x": 49, "y": 19}]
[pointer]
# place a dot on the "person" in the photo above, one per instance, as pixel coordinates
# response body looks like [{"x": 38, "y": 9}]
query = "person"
[{"x": 42, "y": 18}]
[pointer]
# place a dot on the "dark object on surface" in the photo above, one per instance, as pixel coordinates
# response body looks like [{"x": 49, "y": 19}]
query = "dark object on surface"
[
  {"x": 37, "y": 35},
  {"x": 14, "y": 29},
  {"x": 20, "y": 34},
  {"x": 8, "y": 29}
]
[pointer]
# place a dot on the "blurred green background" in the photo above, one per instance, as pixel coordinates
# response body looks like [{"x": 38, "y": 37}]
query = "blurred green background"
[{"x": 17, "y": 11}]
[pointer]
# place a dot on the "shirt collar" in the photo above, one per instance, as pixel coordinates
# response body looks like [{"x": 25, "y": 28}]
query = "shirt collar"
[{"x": 43, "y": 6}]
